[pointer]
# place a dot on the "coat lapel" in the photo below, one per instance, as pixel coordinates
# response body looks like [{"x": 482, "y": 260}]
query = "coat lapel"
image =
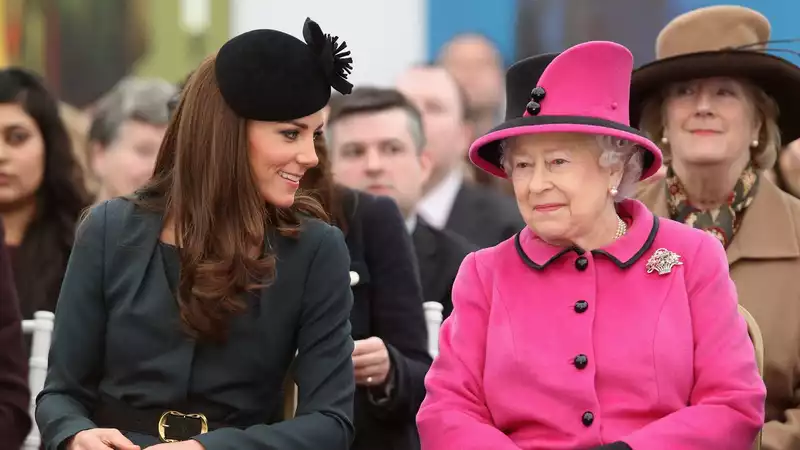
[
  {"x": 426, "y": 248},
  {"x": 767, "y": 229}
]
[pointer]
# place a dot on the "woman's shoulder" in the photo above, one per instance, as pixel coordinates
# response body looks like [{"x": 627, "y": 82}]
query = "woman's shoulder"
[
  {"x": 313, "y": 230},
  {"x": 313, "y": 234},
  {"x": 491, "y": 260},
  {"x": 98, "y": 214}
]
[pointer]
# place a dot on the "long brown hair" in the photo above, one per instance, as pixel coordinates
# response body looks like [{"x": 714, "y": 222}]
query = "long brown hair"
[
  {"x": 203, "y": 183},
  {"x": 318, "y": 183}
]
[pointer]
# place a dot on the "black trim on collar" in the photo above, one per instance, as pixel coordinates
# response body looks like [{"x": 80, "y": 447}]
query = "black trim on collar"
[
  {"x": 530, "y": 263},
  {"x": 622, "y": 265}
]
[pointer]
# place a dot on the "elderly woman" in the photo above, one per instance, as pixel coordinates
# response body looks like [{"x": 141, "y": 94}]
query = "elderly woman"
[
  {"x": 714, "y": 111},
  {"x": 126, "y": 132},
  {"x": 598, "y": 325}
]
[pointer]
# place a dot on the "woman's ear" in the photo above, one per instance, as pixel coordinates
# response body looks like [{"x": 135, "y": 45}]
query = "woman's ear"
[
  {"x": 758, "y": 123},
  {"x": 617, "y": 170}
]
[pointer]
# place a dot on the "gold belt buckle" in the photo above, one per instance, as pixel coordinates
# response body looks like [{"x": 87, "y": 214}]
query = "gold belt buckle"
[{"x": 162, "y": 423}]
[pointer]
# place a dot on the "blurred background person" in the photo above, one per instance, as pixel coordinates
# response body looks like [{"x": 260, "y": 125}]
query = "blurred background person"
[
  {"x": 719, "y": 115},
  {"x": 41, "y": 188},
  {"x": 77, "y": 123},
  {"x": 377, "y": 144},
  {"x": 482, "y": 215},
  {"x": 388, "y": 323},
  {"x": 15, "y": 397},
  {"x": 477, "y": 66},
  {"x": 127, "y": 128},
  {"x": 786, "y": 173}
]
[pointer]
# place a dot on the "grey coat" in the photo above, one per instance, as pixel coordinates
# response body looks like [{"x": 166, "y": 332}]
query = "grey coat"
[{"x": 117, "y": 335}]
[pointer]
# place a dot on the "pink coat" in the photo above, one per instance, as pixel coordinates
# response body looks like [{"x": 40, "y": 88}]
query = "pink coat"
[{"x": 539, "y": 354}]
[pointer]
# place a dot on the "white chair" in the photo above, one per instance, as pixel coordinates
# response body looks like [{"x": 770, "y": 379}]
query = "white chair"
[
  {"x": 754, "y": 331},
  {"x": 433, "y": 319},
  {"x": 41, "y": 329}
]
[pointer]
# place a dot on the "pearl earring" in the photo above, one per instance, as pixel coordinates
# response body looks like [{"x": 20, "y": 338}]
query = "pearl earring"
[
  {"x": 664, "y": 140},
  {"x": 613, "y": 191},
  {"x": 754, "y": 144}
]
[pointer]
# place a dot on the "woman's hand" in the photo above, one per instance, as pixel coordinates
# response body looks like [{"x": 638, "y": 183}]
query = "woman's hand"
[
  {"x": 371, "y": 362},
  {"x": 101, "y": 439},
  {"x": 184, "y": 445}
]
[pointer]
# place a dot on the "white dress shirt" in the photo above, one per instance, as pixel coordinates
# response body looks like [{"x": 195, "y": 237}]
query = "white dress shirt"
[{"x": 436, "y": 205}]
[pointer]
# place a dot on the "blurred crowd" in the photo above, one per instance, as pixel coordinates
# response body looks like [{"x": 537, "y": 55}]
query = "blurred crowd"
[{"x": 409, "y": 144}]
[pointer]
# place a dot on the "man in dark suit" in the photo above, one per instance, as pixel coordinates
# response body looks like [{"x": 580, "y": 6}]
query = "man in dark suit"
[
  {"x": 482, "y": 215},
  {"x": 377, "y": 144}
]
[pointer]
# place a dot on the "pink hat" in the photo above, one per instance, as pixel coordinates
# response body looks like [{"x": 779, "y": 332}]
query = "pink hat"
[{"x": 585, "y": 89}]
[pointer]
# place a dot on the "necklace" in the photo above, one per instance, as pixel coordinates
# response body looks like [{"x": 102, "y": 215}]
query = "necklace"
[{"x": 622, "y": 228}]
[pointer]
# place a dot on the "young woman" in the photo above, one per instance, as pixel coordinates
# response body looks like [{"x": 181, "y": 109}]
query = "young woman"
[
  {"x": 184, "y": 306},
  {"x": 41, "y": 188}
]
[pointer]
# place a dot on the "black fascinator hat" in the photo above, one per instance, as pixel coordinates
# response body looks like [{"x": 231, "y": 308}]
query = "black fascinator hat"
[{"x": 273, "y": 76}]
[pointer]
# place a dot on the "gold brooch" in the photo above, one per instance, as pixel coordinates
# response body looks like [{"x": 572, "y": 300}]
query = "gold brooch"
[{"x": 663, "y": 261}]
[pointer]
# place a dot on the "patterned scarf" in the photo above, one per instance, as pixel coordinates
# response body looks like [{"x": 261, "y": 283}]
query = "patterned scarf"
[{"x": 722, "y": 222}]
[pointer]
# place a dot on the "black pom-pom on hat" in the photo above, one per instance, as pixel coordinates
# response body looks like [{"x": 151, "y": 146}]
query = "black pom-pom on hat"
[
  {"x": 335, "y": 58},
  {"x": 272, "y": 76}
]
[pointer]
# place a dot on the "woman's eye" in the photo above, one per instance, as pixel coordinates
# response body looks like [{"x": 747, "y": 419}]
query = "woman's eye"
[
  {"x": 16, "y": 137},
  {"x": 558, "y": 161},
  {"x": 291, "y": 134},
  {"x": 682, "y": 90},
  {"x": 521, "y": 165},
  {"x": 317, "y": 136}
]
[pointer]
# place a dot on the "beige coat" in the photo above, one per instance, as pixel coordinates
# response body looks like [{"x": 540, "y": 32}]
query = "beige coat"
[{"x": 764, "y": 260}]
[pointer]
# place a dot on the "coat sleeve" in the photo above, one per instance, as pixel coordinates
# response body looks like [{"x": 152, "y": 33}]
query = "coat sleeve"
[
  {"x": 15, "y": 397},
  {"x": 398, "y": 318},
  {"x": 323, "y": 367},
  {"x": 76, "y": 351},
  {"x": 454, "y": 414},
  {"x": 726, "y": 407}
]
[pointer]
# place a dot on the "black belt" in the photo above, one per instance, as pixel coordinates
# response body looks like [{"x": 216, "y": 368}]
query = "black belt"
[{"x": 168, "y": 425}]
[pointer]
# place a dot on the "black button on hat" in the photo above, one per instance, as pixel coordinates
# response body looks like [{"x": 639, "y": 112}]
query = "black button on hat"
[
  {"x": 537, "y": 94},
  {"x": 587, "y": 419},
  {"x": 581, "y": 306},
  {"x": 581, "y": 361},
  {"x": 272, "y": 76},
  {"x": 581, "y": 263}
]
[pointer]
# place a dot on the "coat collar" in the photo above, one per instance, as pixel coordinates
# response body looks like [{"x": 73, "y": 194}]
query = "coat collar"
[
  {"x": 624, "y": 252},
  {"x": 767, "y": 230}
]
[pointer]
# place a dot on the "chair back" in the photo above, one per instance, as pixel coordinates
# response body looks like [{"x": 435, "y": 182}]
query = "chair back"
[
  {"x": 433, "y": 320},
  {"x": 41, "y": 330},
  {"x": 758, "y": 344}
]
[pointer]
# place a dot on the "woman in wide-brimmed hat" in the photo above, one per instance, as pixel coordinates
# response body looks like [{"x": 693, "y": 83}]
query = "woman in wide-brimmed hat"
[
  {"x": 598, "y": 325},
  {"x": 720, "y": 107}
]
